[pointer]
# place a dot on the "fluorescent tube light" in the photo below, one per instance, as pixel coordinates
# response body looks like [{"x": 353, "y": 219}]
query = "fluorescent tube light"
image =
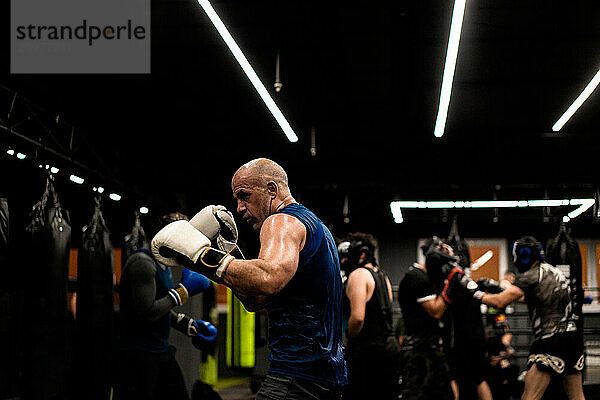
[
  {"x": 577, "y": 103},
  {"x": 144, "y": 210},
  {"x": 451, "y": 56},
  {"x": 584, "y": 205},
  {"x": 397, "y": 214},
  {"x": 21, "y": 156},
  {"x": 487, "y": 256},
  {"x": 10, "y": 152},
  {"x": 241, "y": 59},
  {"x": 76, "y": 179},
  {"x": 54, "y": 170},
  {"x": 547, "y": 203},
  {"x": 114, "y": 196}
]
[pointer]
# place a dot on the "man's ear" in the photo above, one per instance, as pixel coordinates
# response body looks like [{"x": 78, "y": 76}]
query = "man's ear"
[{"x": 272, "y": 188}]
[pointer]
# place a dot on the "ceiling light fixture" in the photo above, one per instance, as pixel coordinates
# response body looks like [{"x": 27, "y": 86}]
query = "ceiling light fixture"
[
  {"x": 451, "y": 56},
  {"x": 577, "y": 103},
  {"x": 76, "y": 179},
  {"x": 584, "y": 205},
  {"x": 241, "y": 59}
]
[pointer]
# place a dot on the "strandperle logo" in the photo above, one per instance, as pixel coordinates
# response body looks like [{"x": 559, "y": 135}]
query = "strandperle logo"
[
  {"x": 80, "y": 36},
  {"x": 84, "y": 31}
]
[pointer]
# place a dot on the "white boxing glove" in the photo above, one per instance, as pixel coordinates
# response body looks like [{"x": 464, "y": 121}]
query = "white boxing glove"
[
  {"x": 178, "y": 237},
  {"x": 218, "y": 224},
  {"x": 179, "y": 244}
]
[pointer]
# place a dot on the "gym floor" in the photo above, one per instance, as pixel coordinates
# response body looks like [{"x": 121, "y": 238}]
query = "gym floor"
[{"x": 237, "y": 391}]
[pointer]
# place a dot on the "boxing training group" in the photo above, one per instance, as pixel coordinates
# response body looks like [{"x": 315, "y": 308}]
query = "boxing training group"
[{"x": 331, "y": 332}]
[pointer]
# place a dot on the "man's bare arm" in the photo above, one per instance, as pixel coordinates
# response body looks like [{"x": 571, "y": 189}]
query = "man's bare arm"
[
  {"x": 435, "y": 307},
  {"x": 281, "y": 239},
  {"x": 510, "y": 294},
  {"x": 357, "y": 291}
]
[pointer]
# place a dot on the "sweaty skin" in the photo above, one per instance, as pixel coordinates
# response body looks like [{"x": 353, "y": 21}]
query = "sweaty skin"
[
  {"x": 359, "y": 290},
  {"x": 260, "y": 188}
]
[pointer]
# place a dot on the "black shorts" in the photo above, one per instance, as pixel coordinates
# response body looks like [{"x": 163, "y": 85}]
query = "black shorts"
[
  {"x": 468, "y": 367},
  {"x": 561, "y": 354},
  {"x": 425, "y": 376}
]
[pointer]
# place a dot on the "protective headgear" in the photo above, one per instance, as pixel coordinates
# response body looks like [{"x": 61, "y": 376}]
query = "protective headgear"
[
  {"x": 526, "y": 251},
  {"x": 436, "y": 259},
  {"x": 350, "y": 251},
  {"x": 172, "y": 217}
]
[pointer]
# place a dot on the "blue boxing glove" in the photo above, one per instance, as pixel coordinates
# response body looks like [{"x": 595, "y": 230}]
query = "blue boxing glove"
[
  {"x": 191, "y": 283},
  {"x": 194, "y": 327},
  {"x": 204, "y": 339}
]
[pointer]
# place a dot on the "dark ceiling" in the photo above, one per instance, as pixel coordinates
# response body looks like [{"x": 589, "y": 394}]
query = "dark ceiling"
[{"x": 366, "y": 77}]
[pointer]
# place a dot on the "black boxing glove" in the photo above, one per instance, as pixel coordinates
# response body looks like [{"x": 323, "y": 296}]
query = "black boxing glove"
[
  {"x": 489, "y": 285},
  {"x": 471, "y": 287}
]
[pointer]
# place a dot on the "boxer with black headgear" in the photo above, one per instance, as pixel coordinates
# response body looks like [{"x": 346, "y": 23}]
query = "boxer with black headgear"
[
  {"x": 526, "y": 251},
  {"x": 425, "y": 369},
  {"x": 355, "y": 252},
  {"x": 557, "y": 349},
  {"x": 439, "y": 259},
  {"x": 372, "y": 353}
]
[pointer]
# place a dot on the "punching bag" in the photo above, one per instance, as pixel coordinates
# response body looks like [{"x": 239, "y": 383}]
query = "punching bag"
[
  {"x": 460, "y": 246},
  {"x": 3, "y": 230},
  {"x": 95, "y": 312},
  {"x": 45, "y": 300},
  {"x": 136, "y": 239},
  {"x": 8, "y": 312},
  {"x": 563, "y": 252}
]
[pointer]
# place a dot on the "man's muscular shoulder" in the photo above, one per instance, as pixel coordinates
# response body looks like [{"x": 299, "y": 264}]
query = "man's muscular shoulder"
[{"x": 284, "y": 226}]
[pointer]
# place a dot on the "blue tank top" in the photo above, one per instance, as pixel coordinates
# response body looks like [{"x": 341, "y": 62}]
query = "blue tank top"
[{"x": 305, "y": 318}]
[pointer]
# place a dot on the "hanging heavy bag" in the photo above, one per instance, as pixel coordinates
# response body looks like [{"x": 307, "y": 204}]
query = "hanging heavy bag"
[
  {"x": 135, "y": 240},
  {"x": 563, "y": 252},
  {"x": 47, "y": 261},
  {"x": 3, "y": 230},
  {"x": 95, "y": 313},
  {"x": 460, "y": 246}
]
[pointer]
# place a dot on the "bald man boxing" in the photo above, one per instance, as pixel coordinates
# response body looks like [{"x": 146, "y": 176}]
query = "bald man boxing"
[{"x": 296, "y": 277}]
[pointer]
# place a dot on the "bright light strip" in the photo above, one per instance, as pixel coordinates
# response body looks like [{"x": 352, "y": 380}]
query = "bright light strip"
[
  {"x": 547, "y": 203},
  {"x": 577, "y": 103},
  {"x": 397, "y": 214},
  {"x": 76, "y": 179},
  {"x": 487, "y": 256},
  {"x": 144, "y": 210},
  {"x": 53, "y": 170},
  {"x": 584, "y": 205},
  {"x": 493, "y": 204},
  {"x": 21, "y": 156},
  {"x": 451, "y": 56},
  {"x": 10, "y": 152},
  {"x": 241, "y": 59},
  {"x": 114, "y": 196}
]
